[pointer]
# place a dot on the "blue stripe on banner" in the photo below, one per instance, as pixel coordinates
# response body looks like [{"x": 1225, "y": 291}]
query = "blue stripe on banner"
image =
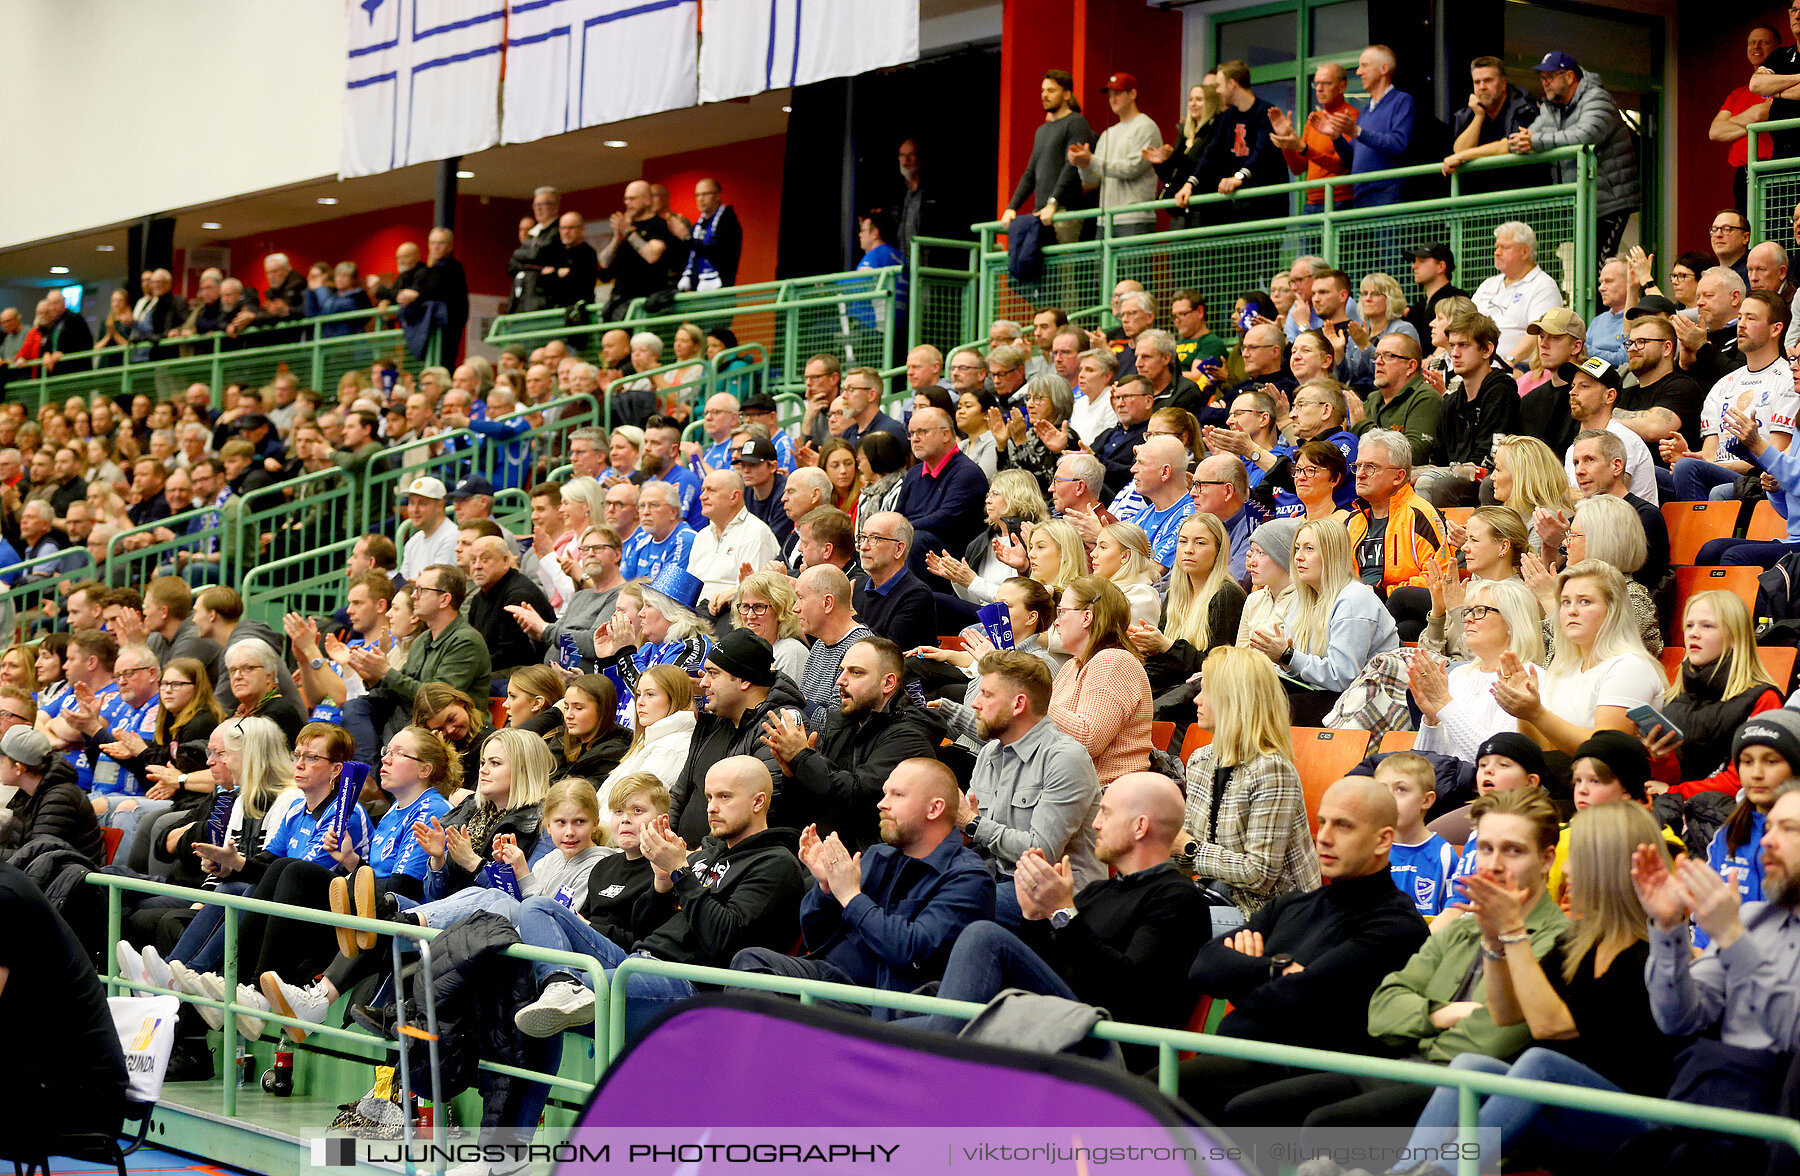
[
  {"x": 413, "y": 90},
  {"x": 769, "y": 58},
  {"x": 532, "y": 6},
  {"x": 370, "y": 81},
  {"x": 368, "y": 49},
  {"x": 794, "y": 72},
  {"x": 420, "y": 34},
  {"x": 516, "y": 42},
  {"x": 385, "y": 45},
  {"x": 608, "y": 18}
]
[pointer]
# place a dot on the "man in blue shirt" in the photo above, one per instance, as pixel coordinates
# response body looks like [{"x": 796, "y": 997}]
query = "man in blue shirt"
[
  {"x": 661, "y": 538},
  {"x": 69, "y": 721},
  {"x": 1380, "y": 138},
  {"x": 662, "y": 461},
  {"x": 889, "y": 919},
  {"x": 873, "y": 229},
  {"x": 1161, "y": 477}
]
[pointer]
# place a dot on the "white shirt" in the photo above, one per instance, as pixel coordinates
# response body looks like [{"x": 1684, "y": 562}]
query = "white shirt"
[
  {"x": 1516, "y": 305},
  {"x": 1623, "y": 681},
  {"x": 423, "y": 550},
  {"x": 1640, "y": 469},
  {"x": 716, "y": 556},
  {"x": 1090, "y": 418},
  {"x": 1768, "y": 395}
]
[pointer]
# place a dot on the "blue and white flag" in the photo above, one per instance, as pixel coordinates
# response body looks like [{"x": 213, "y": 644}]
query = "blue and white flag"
[
  {"x": 422, "y": 81},
  {"x": 586, "y": 63},
  {"x": 748, "y": 46}
]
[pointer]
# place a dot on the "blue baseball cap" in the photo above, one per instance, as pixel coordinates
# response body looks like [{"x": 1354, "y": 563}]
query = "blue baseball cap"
[{"x": 1556, "y": 60}]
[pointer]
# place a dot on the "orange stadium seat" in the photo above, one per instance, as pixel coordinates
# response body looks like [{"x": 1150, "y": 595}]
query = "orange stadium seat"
[
  {"x": 1395, "y": 741},
  {"x": 1162, "y": 734},
  {"x": 1691, "y": 524},
  {"x": 1196, "y": 738},
  {"x": 1459, "y": 515},
  {"x": 1323, "y": 755},
  {"x": 1766, "y": 523},
  {"x": 1691, "y": 581}
]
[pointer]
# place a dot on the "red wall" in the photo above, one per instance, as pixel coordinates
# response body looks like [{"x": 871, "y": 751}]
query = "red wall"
[
  {"x": 1092, "y": 39},
  {"x": 1711, "y": 62}
]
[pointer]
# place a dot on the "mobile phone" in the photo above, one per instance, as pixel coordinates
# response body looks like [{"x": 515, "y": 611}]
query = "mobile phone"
[{"x": 1648, "y": 718}]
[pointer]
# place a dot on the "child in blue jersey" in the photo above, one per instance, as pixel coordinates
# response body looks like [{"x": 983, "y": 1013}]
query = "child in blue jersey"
[
  {"x": 1765, "y": 750},
  {"x": 1420, "y": 861},
  {"x": 1504, "y": 761}
]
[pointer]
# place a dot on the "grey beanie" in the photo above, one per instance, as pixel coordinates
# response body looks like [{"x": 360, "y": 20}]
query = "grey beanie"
[
  {"x": 1276, "y": 537},
  {"x": 1778, "y": 728}
]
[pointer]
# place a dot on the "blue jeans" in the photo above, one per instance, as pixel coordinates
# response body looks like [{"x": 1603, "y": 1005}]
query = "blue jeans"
[
  {"x": 1584, "y": 1138},
  {"x": 986, "y": 959},
  {"x": 202, "y": 945},
  {"x": 465, "y": 902},
  {"x": 126, "y": 821},
  {"x": 1744, "y": 553},
  {"x": 1695, "y": 479},
  {"x": 544, "y": 922}
]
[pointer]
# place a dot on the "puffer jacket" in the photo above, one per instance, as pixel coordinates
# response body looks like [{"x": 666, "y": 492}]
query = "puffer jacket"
[
  {"x": 1415, "y": 531},
  {"x": 59, "y": 809},
  {"x": 1592, "y": 117},
  {"x": 524, "y": 822},
  {"x": 714, "y": 740},
  {"x": 477, "y": 990}
]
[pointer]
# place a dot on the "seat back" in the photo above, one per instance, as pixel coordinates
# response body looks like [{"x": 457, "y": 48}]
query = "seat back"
[
  {"x": 1691, "y": 524},
  {"x": 111, "y": 838},
  {"x": 1395, "y": 741},
  {"x": 1196, "y": 738},
  {"x": 1162, "y": 733},
  {"x": 1691, "y": 581},
  {"x": 1322, "y": 755},
  {"x": 1766, "y": 523}
]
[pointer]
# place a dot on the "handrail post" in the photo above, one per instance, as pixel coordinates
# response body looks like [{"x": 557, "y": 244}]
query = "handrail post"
[
  {"x": 229, "y": 1019},
  {"x": 1754, "y": 189},
  {"x": 1328, "y": 225},
  {"x": 115, "y": 917},
  {"x": 403, "y": 1068},
  {"x": 1468, "y": 1124},
  {"x": 1168, "y": 1078}
]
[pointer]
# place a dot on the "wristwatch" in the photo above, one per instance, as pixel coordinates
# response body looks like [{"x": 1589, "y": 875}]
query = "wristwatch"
[
  {"x": 181, "y": 780},
  {"x": 969, "y": 829},
  {"x": 1256, "y": 454},
  {"x": 677, "y": 874},
  {"x": 317, "y": 663},
  {"x": 1060, "y": 919},
  {"x": 1279, "y": 963}
]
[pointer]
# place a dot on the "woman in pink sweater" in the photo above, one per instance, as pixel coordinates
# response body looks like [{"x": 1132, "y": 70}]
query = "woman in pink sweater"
[{"x": 1101, "y": 696}]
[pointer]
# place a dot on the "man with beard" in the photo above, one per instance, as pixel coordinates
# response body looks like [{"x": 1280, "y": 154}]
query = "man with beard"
[
  {"x": 886, "y": 917},
  {"x": 592, "y": 604},
  {"x": 661, "y": 462},
  {"x": 834, "y": 777}
]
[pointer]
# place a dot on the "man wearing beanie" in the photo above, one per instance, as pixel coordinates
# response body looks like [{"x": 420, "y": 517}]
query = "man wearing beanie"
[
  {"x": 49, "y": 802},
  {"x": 1505, "y": 761},
  {"x": 740, "y": 688},
  {"x": 1266, "y": 559}
]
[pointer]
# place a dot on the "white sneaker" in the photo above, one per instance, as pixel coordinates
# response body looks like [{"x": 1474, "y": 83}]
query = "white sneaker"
[
  {"x": 290, "y": 1000},
  {"x": 563, "y": 1005},
  {"x": 212, "y": 986},
  {"x": 160, "y": 973},
  {"x": 251, "y": 1027},
  {"x": 483, "y": 1168},
  {"x": 131, "y": 964}
]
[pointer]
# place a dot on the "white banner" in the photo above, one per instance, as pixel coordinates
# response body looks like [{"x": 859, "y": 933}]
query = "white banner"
[
  {"x": 422, "y": 81},
  {"x": 749, "y": 46},
  {"x": 586, "y": 63}
]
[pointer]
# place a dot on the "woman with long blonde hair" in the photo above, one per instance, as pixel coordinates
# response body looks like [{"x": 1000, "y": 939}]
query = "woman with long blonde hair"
[
  {"x": 1122, "y": 555},
  {"x": 1528, "y": 475},
  {"x": 662, "y": 730},
  {"x": 1495, "y": 540},
  {"x": 1721, "y": 683},
  {"x": 1254, "y": 838},
  {"x": 764, "y": 603},
  {"x": 1597, "y": 1011},
  {"x": 1600, "y": 670},
  {"x": 1013, "y": 500},
  {"x": 1202, "y": 609}
]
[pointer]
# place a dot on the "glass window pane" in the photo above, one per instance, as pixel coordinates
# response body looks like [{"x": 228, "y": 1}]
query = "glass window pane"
[
  {"x": 1341, "y": 28},
  {"x": 1263, "y": 40},
  {"x": 1281, "y": 93},
  {"x": 1605, "y": 45}
]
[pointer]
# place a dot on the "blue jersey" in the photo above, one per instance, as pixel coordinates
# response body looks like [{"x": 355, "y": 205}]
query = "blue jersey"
[
  {"x": 719, "y": 456},
  {"x": 115, "y": 713},
  {"x": 1747, "y": 861},
  {"x": 109, "y": 775},
  {"x": 688, "y": 483},
  {"x": 1163, "y": 527},
  {"x": 642, "y": 556},
  {"x": 1346, "y": 444},
  {"x": 1464, "y": 864},
  {"x": 394, "y": 851},
  {"x": 302, "y": 834},
  {"x": 1422, "y": 872}
]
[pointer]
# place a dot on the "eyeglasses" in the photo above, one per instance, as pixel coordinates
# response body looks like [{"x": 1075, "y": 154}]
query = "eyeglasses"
[
  {"x": 15, "y": 716},
  {"x": 1134, "y": 396},
  {"x": 1261, "y": 347},
  {"x": 391, "y": 750},
  {"x": 1640, "y": 344},
  {"x": 1308, "y": 471},
  {"x": 429, "y": 588},
  {"x": 924, "y": 429},
  {"x": 1730, "y": 229},
  {"x": 865, "y": 539},
  {"x": 214, "y": 755},
  {"x": 173, "y": 683},
  {"x": 1393, "y": 355},
  {"x": 307, "y": 759},
  {"x": 1061, "y": 609},
  {"x": 1369, "y": 467},
  {"x": 1309, "y": 404},
  {"x": 751, "y": 608},
  {"x": 123, "y": 674},
  {"x": 234, "y": 671},
  {"x": 1199, "y": 482},
  {"x": 1479, "y": 612}
]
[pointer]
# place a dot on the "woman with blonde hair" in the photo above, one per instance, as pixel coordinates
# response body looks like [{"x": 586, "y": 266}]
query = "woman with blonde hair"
[
  {"x": 663, "y": 729},
  {"x": 1720, "y": 685},
  {"x": 1175, "y": 162},
  {"x": 1596, "y": 1011},
  {"x": 1101, "y": 696},
  {"x": 458, "y": 720},
  {"x": 1600, "y": 670},
  {"x": 764, "y": 605},
  {"x": 1495, "y": 540},
  {"x": 1202, "y": 610},
  {"x": 1382, "y": 305},
  {"x": 1528, "y": 476},
  {"x": 1054, "y": 554},
  {"x": 1608, "y": 530},
  {"x": 532, "y": 693},
  {"x": 516, "y": 767},
  {"x": 1335, "y": 625},
  {"x": 690, "y": 352},
  {"x": 1457, "y": 710},
  {"x": 18, "y": 667},
  {"x": 1245, "y": 825},
  {"x": 1122, "y": 555}
]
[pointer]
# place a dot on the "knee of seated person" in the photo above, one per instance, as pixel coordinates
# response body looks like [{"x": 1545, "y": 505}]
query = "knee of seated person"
[{"x": 752, "y": 959}]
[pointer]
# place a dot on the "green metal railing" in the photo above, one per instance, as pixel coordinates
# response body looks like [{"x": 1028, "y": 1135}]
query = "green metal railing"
[
  {"x": 1774, "y": 188},
  {"x": 24, "y": 599},
  {"x": 1470, "y": 1085},
  {"x": 1226, "y": 260},
  {"x": 848, "y": 315},
  {"x": 254, "y": 356},
  {"x": 944, "y": 299},
  {"x": 303, "y": 583}
]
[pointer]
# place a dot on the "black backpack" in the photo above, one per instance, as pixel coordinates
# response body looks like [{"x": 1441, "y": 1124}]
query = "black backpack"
[{"x": 1778, "y": 603}]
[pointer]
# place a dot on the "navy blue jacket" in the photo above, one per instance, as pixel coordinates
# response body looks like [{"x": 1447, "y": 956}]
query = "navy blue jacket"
[
  {"x": 1117, "y": 450},
  {"x": 905, "y": 614},
  {"x": 949, "y": 506},
  {"x": 898, "y": 932}
]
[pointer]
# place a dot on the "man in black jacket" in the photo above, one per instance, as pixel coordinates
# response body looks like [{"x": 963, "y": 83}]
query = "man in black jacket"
[
  {"x": 49, "y": 802},
  {"x": 741, "y": 888},
  {"x": 714, "y": 242},
  {"x": 440, "y": 279},
  {"x": 493, "y": 564},
  {"x": 579, "y": 271},
  {"x": 741, "y": 688},
  {"x": 1123, "y": 943},
  {"x": 1302, "y": 971},
  {"x": 833, "y": 780},
  {"x": 534, "y": 263}
]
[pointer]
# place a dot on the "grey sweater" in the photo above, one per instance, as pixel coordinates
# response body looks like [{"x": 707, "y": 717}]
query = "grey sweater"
[
  {"x": 553, "y": 872},
  {"x": 1120, "y": 170},
  {"x": 1049, "y": 173}
]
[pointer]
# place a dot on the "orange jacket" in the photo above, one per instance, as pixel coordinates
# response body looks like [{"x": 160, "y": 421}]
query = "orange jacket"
[
  {"x": 1318, "y": 157},
  {"x": 1415, "y": 531}
]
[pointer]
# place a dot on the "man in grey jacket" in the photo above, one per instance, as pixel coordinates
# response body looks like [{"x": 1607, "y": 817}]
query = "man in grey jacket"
[
  {"x": 1577, "y": 109},
  {"x": 1049, "y": 177}
]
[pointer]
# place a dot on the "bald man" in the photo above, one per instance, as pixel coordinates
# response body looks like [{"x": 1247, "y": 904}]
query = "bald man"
[
  {"x": 1124, "y": 942},
  {"x": 941, "y": 495},
  {"x": 740, "y": 889},
  {"x": 494, "y": 566},
  {"x": 643, "y": 256},
  {"x": 1301, "y": 972},
  {"x": 872, "y": 918},
  {"x": 1160, "y": 474}
]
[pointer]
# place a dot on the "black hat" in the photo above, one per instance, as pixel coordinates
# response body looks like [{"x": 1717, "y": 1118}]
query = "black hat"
[
  {"x": 1515, "y": 747},
  {"x": 1436, "y": 251},
  {"x": 1652, "y": 304},
  {"x": 470, "y": 487},
  {"x": 743, "y": 654},
  {"x": 1623, "y": 754},
  {"x": 1595, "y": 368},
  {"x": 761, "y": 402},
  {"x": 756, "y": 449}
]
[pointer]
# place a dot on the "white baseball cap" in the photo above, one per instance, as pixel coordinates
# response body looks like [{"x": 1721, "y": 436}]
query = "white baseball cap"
[{"x": 425, "y": 488}]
